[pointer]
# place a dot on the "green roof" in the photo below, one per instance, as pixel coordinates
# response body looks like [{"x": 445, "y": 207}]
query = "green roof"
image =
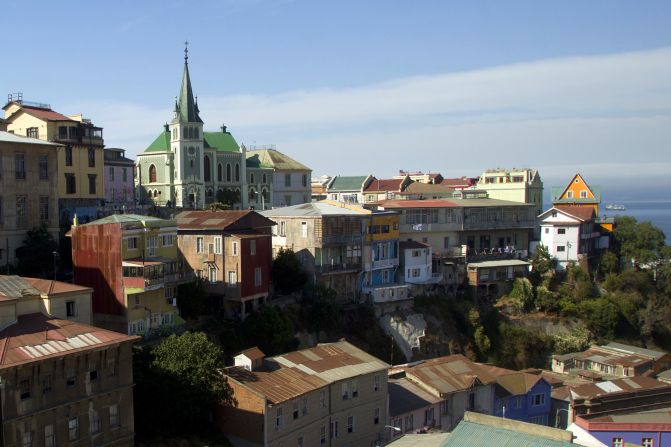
[
  {"x": 340, "y": 183},
  {"x": 160, "y": 144},
  {"x": 271, "y": 158},
  {"x": 223, "y": 142},
  {"x": 468, "y": 434}
]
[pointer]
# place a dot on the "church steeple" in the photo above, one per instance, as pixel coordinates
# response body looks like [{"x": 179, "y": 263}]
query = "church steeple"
[{"x": 186, "y": 108}]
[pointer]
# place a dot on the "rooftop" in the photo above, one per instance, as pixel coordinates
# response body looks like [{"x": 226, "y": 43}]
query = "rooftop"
[
  {"x": 6, "y": 137},
  {"x": 272, "y": 158},
  {"x": 315, "y": 209},
  {"x": 125, "y": 218},
  {"x": 406, "y": 396},
  {"x": 37, "y": 336},
  {"x": 635, "y": 350},
  {"x": 449, "y": 374},
  {"x": 630, "y": 384},
  {"x": 44, "y": 113},
  {"x": 342, "y": 183},
  {"x": 229, "y": 220},
  {"x": 253, "y": 353},
  {"x": 405, "y": 245},
  {"x": 392, "y": 184},
  {"x": 498, "y": 263},
  {"x": 448, "y": 203}
]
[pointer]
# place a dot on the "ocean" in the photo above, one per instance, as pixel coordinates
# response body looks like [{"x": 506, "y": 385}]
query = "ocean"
[{"x": 658, "y": 212}]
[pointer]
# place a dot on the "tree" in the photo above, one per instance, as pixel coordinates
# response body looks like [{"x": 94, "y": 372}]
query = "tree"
[
  {"x": 522, "y": 294},
  {"x": 576, "y": 341},
  {"x": 288, "y": 274},
  {"x": 639, "y": 242},
  {"x": 181, "y": 377},
  {"x": 191, "y": 297},
  {"x": 322, "y": 312},
  {"x": 35, "y": 256},
  {"x": 601, "y": 317},
  {"x": 228, "y": 197},
  {"x": 270, "y": 329},
  {"x": 608, "y": 263}
]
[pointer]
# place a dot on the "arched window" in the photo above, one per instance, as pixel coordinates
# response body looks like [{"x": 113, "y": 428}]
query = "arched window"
[
  {"x": 228, "y": 172},
  {"x": 152, "y": 174},
  {"x": 209, "y": 192},
  {"x": 220, "y": 173},
  {"x": 206, "y": 168},
  {"x": 195, "y": 133},
  {"x": 252, "y": 195},
  {"x": 237, "y": 172},
  {"x": 264, "y": 193},
  {"x": 155, "y": 193},
  {"x": 251, "y": 178},
  {"x": 265, "y": 179}
]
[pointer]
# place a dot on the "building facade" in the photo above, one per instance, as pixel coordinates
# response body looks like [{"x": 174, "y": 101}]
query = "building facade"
[
  {"x": 80, "y": 159},
  {"x": 188, "y": 168},
  {"x": 232, "y": 251},
  {"x": 515, "y": 185},
  {"x": 131, "y": 262},
  {"x": 333, "y": 395},
  {"x": 28, "y": 191},
  {"x": 348, "y": 189},
  {"x": 291, "y": 180},
  {"x": 119, "y": 178}
]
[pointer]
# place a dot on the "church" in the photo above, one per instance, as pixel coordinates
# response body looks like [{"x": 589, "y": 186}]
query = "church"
[{"x": 186, "y": 167}]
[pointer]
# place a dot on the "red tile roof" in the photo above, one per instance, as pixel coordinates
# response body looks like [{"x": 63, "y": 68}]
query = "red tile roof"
[
  {"x": 253, "y": 353},
  {"x": 36, "y": 336},
  {"x": 463, "y": 182},
  {"x": 584, "y": 213},
  {"x": 391, "y": 184},
  {"x": 45, "y": 114},
  {"x": 434, "y": 203}
]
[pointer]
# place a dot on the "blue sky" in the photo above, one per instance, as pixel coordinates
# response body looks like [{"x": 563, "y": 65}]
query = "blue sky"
[{"x": 353, "y": 87}]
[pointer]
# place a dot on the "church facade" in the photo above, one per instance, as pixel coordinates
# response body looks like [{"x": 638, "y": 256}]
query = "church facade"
[{"x": 187, "y": 167}]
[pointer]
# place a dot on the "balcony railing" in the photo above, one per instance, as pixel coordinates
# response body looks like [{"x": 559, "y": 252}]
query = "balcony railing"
[
  {"x": 498, "y": 224},
  {"x": 335, "y": 268},
  {"x": 385, "y": 263},
  {"x": 179, "y": 276},
  {"x": 339, "y": 239}
]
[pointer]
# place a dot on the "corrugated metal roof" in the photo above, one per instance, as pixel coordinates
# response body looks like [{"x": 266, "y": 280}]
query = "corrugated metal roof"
[
  {"x": 406, "y": 396},
  {"x": 449, "y": 374},
  {"x": 7, "y": 137},
  {"x": 635, "y": 350},
  {"x": 314, "y": 209},
  {"x": 591, "y": 390},
  {"x": 15, "y": 287}
]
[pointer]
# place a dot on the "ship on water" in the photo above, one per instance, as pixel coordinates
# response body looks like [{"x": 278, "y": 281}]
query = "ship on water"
[{"x": 615, "y": 207}]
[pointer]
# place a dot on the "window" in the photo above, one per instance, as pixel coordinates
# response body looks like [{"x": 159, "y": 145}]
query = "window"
[
  {"x": 49, "y": 437},
  {"x": 618, "y": 442},
  {"x": 46, "y": 385},
  {"x": 287, "y": 180},
  {"x": 295, "y": 413},
  {"x": 92, "y": 157},
  {"x": 71, "y": 379},
  {"x": 62, "y": 132},
  {"x": 252, "y": 247},
  {"x": 25, "y": 389},
  {"x": 73, "y": 429},
  {"x": 583, "y": 194},
  {"x": 547, "y": 230},
  {"x": 228, "y": 172},
  {"x": 304, "y": 406},
  {"x": 220, "y": 173},
  {"x": 569, "y": 194},
  {"x": 376, "y": 416},
  {"x": 304, "y": 229},
  {"x": 300, "y": 441},
  {"x": 287, "y": 200},
  {"x": 166, "y": 240},
  {"x": 213, "y": 274},
  {"x": 68, "y": 155},
  {"x": 446, "y": 242},
  {"x": 92, "y": 183},
  {"x": 234, "y": 246},
  {"x": 322, "y": 434},
  {"x": 350, "y": 424},
  {"x": 409, "y": 423},
  {"x": 264, "y": 179},
  {"x": 199, "y": 245},
  {"x": 237, "y": 172},
  {"x": 345, "y": 390},
  {"x": 217, "y": 245},
  {"x": 44, "y": 167},
  {"x": 124, "y": 174},
  {"x": 428, "y": 417},
  {"x": 20, "y": 166},
  {"x": 70, "y": 184},
  {"x": 251, "y": 178},
  {"x": 152, "y": 174},
  {"x": 94, "y": 422},
  {"x": 376, "y": 382},
  {"x": 334, "y": 429},
  {"x": 111, "y": 173},
  {"x": 21, "y": 214},
  {"x": 131, "y": 243},
  {"x": 355, "y": 389},
  {"x": 114, "y": 415},
  {"x": 305, "y": 180},
  {"x": 647, "y": 442},
  {"x": 322, "y": 398},
  {"x": 561, "y": 230},
  {"x": 471, "y": 400},
  {"x": 258, "y": 278},
  {"x": 206, "y": 169},
  {"x": 93, "y": 375},
  {"x": 278, "y": 417},
  {"x": 561, "y": 248},
  {"x": 27, "y": 439},
  {"x": 232, "y": 279},
  {"x": 32, "y": 132},
  {"x": 2, "y": 216},
  {"x": 44, "y": 209},
  {"x": 538, "y": 399}
]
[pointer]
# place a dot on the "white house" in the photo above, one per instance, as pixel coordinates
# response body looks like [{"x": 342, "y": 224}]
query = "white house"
[
  {"x": 416, "y": 263},
  {"x": 569, "y": 233}
]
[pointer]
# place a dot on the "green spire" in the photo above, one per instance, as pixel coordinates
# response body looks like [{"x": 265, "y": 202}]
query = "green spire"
[{"x": 186, "y": 108}]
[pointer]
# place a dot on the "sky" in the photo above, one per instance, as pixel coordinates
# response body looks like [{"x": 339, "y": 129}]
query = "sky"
[{"x": 354, "y": 87}]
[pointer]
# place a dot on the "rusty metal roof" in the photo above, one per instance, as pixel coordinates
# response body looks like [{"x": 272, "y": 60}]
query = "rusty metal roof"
[
  {"x": 51, "y": 287},
  {"x": 221, "y": 220},
  {"x": 36, "y": 336},
  {"x": 449, "y": 374},
  {"x": 625, "y": 385},
  {"x": 253, "y": 353}
]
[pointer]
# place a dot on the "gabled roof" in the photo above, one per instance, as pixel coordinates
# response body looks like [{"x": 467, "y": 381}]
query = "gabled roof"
[
  {"x": 635, "y": 350},
  {"x": 314, "y": 209},
  {"x": 518, "y": 383},
  {"x": 406, "y": 396},
  {"x": 35, "y": 337},
  {"x": 559, "y": 191},
  {"x": 221, "y": 141},
  {"x": 222, "y": 220},
  {"x": 160, "y": 144},
  {"x": 43, "y": 114},
  {"x": 343, "y": 183},
  {"x": 624, "y": 385},
  {"x": 406, "y": 245},
  {"x": 581, "y": 213},
  {"x": 449, "y": 374},
  {"x": 253, "y": 353},
  {"x": 51, "y": 287},
  {"x": 391, "y": 184},
  {"x": 271, "y": 158}
]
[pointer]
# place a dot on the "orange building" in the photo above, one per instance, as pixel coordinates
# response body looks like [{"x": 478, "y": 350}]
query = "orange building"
[{"x": 577, "y": 193}]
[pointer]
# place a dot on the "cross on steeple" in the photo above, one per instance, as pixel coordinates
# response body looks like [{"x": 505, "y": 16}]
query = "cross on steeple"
[{"x": 186, "y": 50}]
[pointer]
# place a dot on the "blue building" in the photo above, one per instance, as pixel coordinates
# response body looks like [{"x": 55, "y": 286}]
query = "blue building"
[
  {"x": 522, "y": 397},
  {"x": 648, "y": 428}
]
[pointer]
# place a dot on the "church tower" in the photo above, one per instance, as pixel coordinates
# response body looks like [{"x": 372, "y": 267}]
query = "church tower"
[{"x": 186, "y": 142}]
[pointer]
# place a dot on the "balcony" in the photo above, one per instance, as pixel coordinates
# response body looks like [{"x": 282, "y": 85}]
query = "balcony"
[
  {"x": 498, "y": 224},
  {"x": 184, "y": 276},
  {"x": 435, "y": 278},
  {"x": 384, "y": 263},
  {"x": 339, "y": 239},
  {"x": 328, "y": 269},
  {"x": 144, "y": 284},
  {"x": 387, "y": 293}
]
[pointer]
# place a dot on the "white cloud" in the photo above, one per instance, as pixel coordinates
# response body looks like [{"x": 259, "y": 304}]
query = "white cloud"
[{"x": 607, "y": 114}]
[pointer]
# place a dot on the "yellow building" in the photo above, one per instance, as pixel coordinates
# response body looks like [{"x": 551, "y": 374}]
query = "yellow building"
[
  {"x": 577, "y": 193},
  {"x": 131, "y": 263},
  {"x": 515, "y": 185},
  {"x": 80, "y": 159}
]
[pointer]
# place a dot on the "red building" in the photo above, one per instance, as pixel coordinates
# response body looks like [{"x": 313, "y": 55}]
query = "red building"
[{"x": 232, "y": 251}]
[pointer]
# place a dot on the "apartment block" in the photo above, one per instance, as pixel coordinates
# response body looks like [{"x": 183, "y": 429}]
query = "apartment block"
[
  {"x": 131, "y": 263},
  {"x": 291, "y": 180},
  {"x": 28, "y": 191},
  {"x": 516, "y": 185},
  {"x": 119, "y": 178},
  {"x": 332, "y": 395},
  {"x": 231, "y": 250}
]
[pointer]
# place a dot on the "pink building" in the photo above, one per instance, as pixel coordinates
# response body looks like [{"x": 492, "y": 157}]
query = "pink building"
[{"x": 119, "y": 171}]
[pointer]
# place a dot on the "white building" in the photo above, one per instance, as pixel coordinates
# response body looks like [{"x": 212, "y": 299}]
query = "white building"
[
  {"x": 569, "y": 233},
  {"x": 291, "y": 179},
  {"x": 416, "y": 263}
]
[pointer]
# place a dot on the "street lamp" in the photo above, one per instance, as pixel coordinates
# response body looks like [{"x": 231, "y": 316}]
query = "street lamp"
[
  {"x": 55, "y": 255},
  {"x": 263, "y": 199}
]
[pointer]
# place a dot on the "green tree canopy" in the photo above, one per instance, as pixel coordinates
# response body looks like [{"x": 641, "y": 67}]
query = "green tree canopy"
[
  {"x": 288, "y": 274},
  {"x": 270, "y": 329},
  {"x": 35, "y": 256},
  {"x": 641, "y": 242},
  {"x": 191, "y": 297}
]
